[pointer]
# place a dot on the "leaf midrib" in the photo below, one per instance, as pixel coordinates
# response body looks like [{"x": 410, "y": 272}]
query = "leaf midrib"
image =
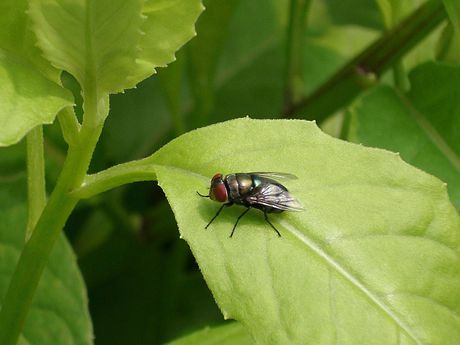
[{"x": 350, "y": 278}]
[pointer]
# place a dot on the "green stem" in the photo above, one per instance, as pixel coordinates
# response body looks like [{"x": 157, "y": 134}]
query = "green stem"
[
  {"x": 35, "y": 254},
  {"x": 36, "y": 192},
  {"x": 69, "y": 125},
  {"x": 399, "y": 73},
  {"x": 294, "y": 85},
  {"x": 135, "y": 171},
  {"x": 349, "y": 81}
]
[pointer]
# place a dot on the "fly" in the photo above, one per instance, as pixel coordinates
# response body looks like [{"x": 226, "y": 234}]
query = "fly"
[{"x": 252, "y": 190}]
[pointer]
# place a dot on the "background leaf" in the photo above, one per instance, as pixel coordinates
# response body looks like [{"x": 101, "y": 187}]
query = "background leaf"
[
  {"x": 365, "y": 13},
  {"x": 453, "y": 10},
  {"x": 424, "y": 124},
  {"x": 204, "y": 52},
  {"x": 59, "y": 313},
  {"x": 336, "y": 273}
]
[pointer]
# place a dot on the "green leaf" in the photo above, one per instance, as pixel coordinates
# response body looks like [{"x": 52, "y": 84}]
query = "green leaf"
[
  {"x": 373, "y": 259},
  {"x": 28, "y": 98},
  {"x": 254, "y": 45},
  {"x": 453, "y": 10},
  {"x": 204, "y": 52},
  {"x": 168, "y": 25},
  {"x": 229, "y": 334},
  {"x": 17, "y": 38},
  {"x": 448, "y": 46},
  {"x": 109, "y": 43},
  {"x": 422, "y": 125},
  {"x": 95, "y": 41},
  {"x": 144, "y": 134},
  {"x": 59, "y": 313},
  {"x": 355, "y": 12},
  {"x": 393, "y": 10}
]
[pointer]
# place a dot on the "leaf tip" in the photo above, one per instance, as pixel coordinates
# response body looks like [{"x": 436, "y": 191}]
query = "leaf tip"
[{"x": 226, "y": 315}]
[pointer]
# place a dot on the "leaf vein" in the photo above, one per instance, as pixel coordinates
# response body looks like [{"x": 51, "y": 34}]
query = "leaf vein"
[{"x": 353, "y": 280}]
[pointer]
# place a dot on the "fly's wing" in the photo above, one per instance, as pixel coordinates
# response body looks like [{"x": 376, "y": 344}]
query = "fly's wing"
[
  {"x": 273, "y": 195},
  {"x": 275, "y": 175}
]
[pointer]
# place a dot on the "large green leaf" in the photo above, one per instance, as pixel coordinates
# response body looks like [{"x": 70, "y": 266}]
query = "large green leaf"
[
  {"x": 229, "y": 334},
  {"x": 373, "y": 259},
  {"x": 422, "y": 125},
  {"x": 59, "y": 313},
  {"x": 168, "y": 25},
  {"x": 16, "y": 36},
  {"x": 95, "y": 41},
  {"x": 27, "y": 98},
  {"x": 114, "y": 44}
]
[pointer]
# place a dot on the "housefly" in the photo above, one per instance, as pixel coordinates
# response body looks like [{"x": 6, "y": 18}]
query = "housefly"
[{"x": 252, "y": 190}]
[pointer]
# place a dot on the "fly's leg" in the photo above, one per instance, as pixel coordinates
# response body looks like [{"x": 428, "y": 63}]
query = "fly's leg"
[
  {"x": 266, "y": 218},
  {"x": 218, "y": 212},
  {"x": 241, "y": 216}
]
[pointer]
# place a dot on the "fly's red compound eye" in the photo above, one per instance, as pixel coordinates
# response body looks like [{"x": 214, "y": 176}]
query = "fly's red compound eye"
[{"x": 218, "y": 191}]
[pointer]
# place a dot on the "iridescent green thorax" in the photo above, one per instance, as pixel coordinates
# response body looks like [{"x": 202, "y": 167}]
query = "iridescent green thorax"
[
  {"x": 239, "y": 185},
  {"x": 256, "y": 181}
]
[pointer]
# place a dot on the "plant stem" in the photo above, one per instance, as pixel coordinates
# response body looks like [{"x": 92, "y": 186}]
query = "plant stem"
[
  {"x": 399, "y": 74},
  {"x": 349, "y": 81},
  {"x": 135, "y": 171},
  {"x": 36, "y": 251},
  {"x": 294, "y": 86},
  {"x": 36, "y": 192},
  {"x": 69, "y": 125}
]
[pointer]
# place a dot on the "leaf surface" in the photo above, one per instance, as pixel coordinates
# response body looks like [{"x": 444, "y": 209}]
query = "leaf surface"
[
  {"x": 28, "y": 89},
  {"x": 373, "y": 259},
  {"x": 17, "y": 37},
  {"x": 115, "y": 44},
  {"x": 28, "y": 98},
  {"x": 229, "y": 334},
  {"x": 453, "y": 10},
  {"x": 95, "y": 41},
  {"x": 168, "y": 25},
  {"x": 59, "y": 313},
  {"x": 424, "y": 124}
]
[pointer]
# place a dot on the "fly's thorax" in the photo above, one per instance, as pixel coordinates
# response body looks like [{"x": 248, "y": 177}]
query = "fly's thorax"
[{"x": 239, "y": 185}]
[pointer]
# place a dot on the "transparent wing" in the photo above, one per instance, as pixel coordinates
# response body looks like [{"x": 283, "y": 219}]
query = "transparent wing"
[
  {"x": 275, "y": 175},
  {"x": 273, "y": 195}
]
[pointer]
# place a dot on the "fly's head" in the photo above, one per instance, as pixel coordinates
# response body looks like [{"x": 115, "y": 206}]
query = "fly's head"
[{"x": 218, "y": 190}]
